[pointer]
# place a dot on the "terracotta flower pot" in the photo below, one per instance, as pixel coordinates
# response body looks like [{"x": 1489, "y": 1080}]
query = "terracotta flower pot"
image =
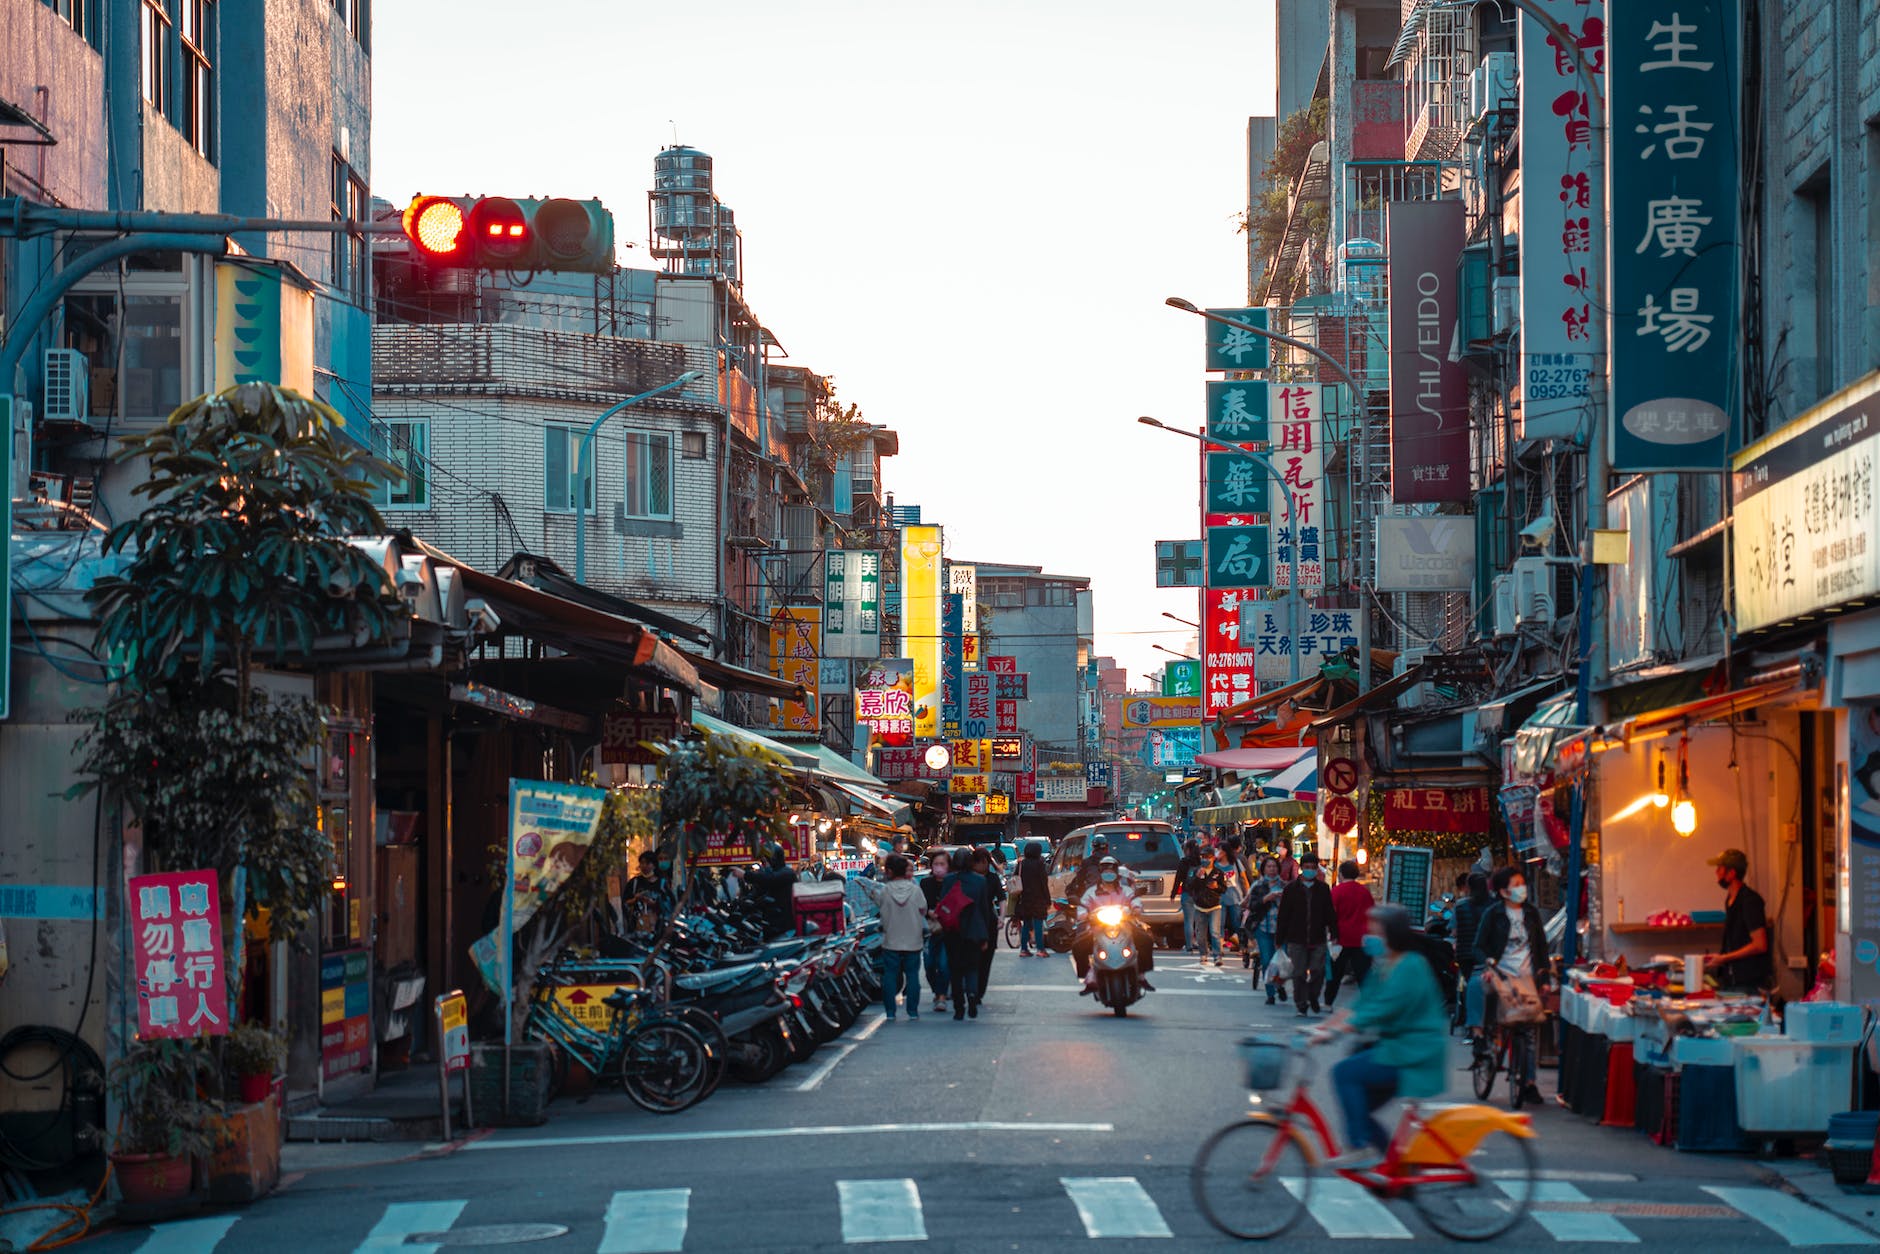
[
  {"x": 153, "y": 1179},
  {"x": 254, "y": 1088}
]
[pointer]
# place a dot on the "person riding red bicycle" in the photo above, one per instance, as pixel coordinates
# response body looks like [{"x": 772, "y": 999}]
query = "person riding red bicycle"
[{"x": 1404, "y": 1013}]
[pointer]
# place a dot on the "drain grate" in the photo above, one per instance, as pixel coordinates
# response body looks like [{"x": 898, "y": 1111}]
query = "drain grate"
[{"x": 489, "y": 1234}]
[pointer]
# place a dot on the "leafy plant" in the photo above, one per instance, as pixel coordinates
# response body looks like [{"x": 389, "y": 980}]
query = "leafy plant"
[
  {"x": 1266, "y": 218},
  {"x": 159, "y": 1086},
  {"x": 252, "y": 1049}
]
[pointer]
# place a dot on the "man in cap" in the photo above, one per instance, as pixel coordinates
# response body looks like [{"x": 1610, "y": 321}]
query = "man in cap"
[{"x": 1744, "y": 962}]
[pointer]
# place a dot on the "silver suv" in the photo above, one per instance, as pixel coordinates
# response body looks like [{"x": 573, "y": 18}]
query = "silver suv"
[{"x": 1150, "y": 849}]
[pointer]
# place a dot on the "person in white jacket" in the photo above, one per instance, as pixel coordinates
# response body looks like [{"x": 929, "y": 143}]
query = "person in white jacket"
[{"x": 903, "y": 934}]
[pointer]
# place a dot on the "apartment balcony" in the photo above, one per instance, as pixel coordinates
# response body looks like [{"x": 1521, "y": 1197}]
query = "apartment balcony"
[{"x": 1436, "y": 131}]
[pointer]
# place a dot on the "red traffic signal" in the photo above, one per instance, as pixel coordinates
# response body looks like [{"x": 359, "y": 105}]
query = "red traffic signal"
[{"x": 502, "y": 233}]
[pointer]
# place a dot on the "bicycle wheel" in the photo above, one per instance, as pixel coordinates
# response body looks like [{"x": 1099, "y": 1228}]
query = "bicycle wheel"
[
  {"x": 1482, "y": 1071},
  {"x": 663, "y": 1066},
  {"x": 1252, "y": 1178},
  {"x": 1501, "y": 1171},
  {"x": 1013, "y": 933},
  {"x": 1518, "y": 1046},
  {"x": 717, "y": 1044}
]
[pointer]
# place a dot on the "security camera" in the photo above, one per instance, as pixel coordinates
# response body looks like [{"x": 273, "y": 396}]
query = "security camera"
[
  {"x": 483, "y": 620},
  {"x": 409, "y": 583},
  {"x": 1538, "y": 534}
]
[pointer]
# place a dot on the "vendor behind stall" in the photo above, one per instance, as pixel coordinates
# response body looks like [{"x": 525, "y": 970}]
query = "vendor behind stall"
[{"x": 1744, "y": 963}]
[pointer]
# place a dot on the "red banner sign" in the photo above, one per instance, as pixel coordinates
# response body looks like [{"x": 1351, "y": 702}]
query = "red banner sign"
[
  {"x": 1002, "y": 664},
  {"x": 908, "y": 763},
  {"x": 1459, "y": 810},
  {"x": 1008, "y": 718},
  {"x": 623, "y": 735},
  {"x": 176, "y": 955},
  {"x": 1026, "y": 789}
]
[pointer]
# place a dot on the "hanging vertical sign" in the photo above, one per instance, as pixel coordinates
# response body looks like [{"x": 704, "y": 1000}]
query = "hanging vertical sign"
[
  {"x": 977, "y": 716},
  {"x": 952, "y": 663},
  {"x": 1298, "y": 455},
  {"x": 1229, "y": 660},
  {"x": 852, "y": 603},
  {"x": 1237, "y": 484},
  {"x": 1676, "y": 242},
  {"x": 1239, "y": 557},
  {"x": 1429, "y": 391},
  {"x": 1563, "y": 255},
  {"x": 884, "y": 701},
  {"x": 795, "y": 657},
  {"x": 1237, "y": 410},
  {"x": 920, "y": 622},
  {"x": 963, "y": 581},
  {"x": 1237, "y": 348},
  {"x": 176, "y": 955},
  {"x": 1181, "y": 678}
]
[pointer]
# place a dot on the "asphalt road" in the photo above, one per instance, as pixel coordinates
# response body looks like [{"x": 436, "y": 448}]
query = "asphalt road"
[{"x": 1041, "y": 1126}]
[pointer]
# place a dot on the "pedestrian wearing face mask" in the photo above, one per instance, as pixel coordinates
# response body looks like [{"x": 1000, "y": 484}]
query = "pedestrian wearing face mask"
[
  {"x": 1513, "y": 940},
  {"x": 1307, "y": 923}
]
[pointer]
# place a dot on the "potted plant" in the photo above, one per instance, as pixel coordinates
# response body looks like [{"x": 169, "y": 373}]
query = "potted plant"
[
  {"x": 253, "y": 1054},
  {"x": 166, "y": 1122}
]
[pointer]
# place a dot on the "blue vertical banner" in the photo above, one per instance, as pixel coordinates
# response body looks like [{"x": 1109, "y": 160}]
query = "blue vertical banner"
[
  {"x": 1676, "y": 241},
  {"x": 952, "y": 660}
]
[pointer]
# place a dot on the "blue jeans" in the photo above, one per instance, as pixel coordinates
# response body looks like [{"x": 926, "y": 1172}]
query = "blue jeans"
[
  {"x": 1268, "y": 948},
  {"x": 900, "y": 967},
  {"x": 1363, "y": 1084},
  {"x": 1473, "y": 1000},
  {"x": 1188, "y": 922},
  {"x": 937, "y": 973},
  {"x": 1031, "y": 935},
  {"x": 1207, "y": 930}
]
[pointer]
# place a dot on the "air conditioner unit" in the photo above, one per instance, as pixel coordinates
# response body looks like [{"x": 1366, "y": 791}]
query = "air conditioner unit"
[
  {"x": 1416, "y": 694},
  {"x": 1506, "y": 304},
  {"x": 1493, "y": 86},
  {"x": 1533, "y": 591},
  {"x": 68, "y": 385},
  {"x": 1506, "y": 622}
]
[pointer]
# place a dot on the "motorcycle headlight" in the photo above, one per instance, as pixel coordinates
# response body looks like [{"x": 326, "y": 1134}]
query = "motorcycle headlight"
[{"x": 1110, "y": 916}]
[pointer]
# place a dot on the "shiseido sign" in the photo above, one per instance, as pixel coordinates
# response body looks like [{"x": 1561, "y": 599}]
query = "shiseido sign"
[
  {"x": 1425, "y": 554},
  {"x": 1429, "y": 394}
]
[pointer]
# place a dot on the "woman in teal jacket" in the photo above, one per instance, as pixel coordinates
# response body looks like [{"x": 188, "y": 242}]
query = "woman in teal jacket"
[{"x": 1402, "y": 1008}]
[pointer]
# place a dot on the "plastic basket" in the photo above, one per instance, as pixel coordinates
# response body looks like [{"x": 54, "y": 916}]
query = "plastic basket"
[{"x": 1267, "y": 1061}]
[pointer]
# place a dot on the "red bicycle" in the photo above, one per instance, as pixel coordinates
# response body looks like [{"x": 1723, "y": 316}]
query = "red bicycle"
[{"x": 1469, "y": 1170}]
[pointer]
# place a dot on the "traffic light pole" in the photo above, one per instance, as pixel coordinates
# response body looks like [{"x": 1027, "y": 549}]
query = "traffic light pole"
[{"x": 583, "y": 472}]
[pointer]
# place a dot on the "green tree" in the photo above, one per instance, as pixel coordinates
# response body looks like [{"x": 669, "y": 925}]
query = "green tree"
[{"x": 1266, "y": 218}]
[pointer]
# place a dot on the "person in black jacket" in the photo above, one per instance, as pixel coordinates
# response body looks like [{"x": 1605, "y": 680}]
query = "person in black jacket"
[
  {"x": 1178, "y": 887},
  {"x": 1471, "y": 906},
  {"x": 772, "y": 886},
  {"x": 968, "y": 941},
  {"x": 1307, "y": 924},
  {"x": 1034, "y": 900},
  {"x": 1513, "y": 941},
  {"x": 939, "y": 865}
]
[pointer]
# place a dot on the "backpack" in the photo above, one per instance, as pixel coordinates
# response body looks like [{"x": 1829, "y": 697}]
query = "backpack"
[
  {"x": 1204, "y": 889},
  {"x": 952, "y": 907}
]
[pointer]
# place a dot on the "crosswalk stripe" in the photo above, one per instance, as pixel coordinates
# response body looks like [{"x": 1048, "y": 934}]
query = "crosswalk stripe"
[
  {"x": 1794, "y": 1221},
  {"x": 880, "y": 1210},
  {"x": 1115, "y": 1206},
  {"x": 188, "y": 1236},
  {"x": 1570, "y": 1225},
  {"x": 403, "y": 1219},
  {"x": 1344, "y": 1209},
  {"x": 646, "y": 1221}
]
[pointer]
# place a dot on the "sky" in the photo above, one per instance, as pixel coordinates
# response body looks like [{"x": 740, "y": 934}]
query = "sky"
[{"x": 967, "y": 213}]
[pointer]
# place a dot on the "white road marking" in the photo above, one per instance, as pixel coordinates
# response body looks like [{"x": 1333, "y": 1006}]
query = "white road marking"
[
  {"x": 1575, "y": 1177},
  {"x": 188, "y": 1236},
  {"x": 1072, "y": 988},
  {"x": 402, "y": 1219},
  {"x": 880, "y": 1210},
  {"x": 1344, "y": 1209},
  {"x": 1115, "y": 1206},
  {"x": 823, "y": 1068},
  {"x": 1793, "y": 1220},
  {"x": 646, "y": 1221},
  {"x": 1571, "y": 1225},
  {"x": 759, "y": 1134},
  {"x": 874, "y": 1026}
]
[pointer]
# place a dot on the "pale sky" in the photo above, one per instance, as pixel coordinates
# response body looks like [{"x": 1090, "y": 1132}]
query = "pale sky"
[{"x": 967, "y": 212}]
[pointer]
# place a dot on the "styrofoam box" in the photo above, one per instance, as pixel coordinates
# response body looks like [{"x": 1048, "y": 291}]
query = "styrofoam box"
[
  {"x": 1788, "y": 1086},
  {"x": 1823, "y": 1022},
  {"x": 1702, "y": 1051}
]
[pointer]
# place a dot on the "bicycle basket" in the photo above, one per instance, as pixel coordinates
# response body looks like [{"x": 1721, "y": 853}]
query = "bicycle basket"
[{"x": 1267, "y": 1060}]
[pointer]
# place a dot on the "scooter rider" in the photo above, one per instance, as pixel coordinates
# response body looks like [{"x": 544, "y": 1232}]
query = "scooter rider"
[{"x": 1109, "y": 888}]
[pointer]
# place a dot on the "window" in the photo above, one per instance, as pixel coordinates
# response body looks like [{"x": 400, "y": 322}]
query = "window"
[
  {"x": 559, "y": 448},
  {"x": 82, "y": 15},
  {"x": 198, "y": 75},
  {"x": 406, "y": 444},
  {"x": 349, "y": 202},
  {"x": 692, "y": 445},
  {"x": 649, "y": 474},
  {"x": 1821, "y": 223},
  {"x": 356, "y": 17},
  {"x": 156, "y": 58}
]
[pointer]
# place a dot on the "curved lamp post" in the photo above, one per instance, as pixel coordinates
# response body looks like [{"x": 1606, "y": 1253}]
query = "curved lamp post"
[{"x": 583, "y": 472}]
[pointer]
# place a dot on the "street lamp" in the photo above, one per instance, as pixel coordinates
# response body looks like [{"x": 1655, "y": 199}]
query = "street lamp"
[
  {"x": 1362, "y": 399},
  {"x": 1184, "y": 622},
  {"x": 1172, "y": 653},
  {"x": 1279, "y": 481},
  {"x": 582, "y": 474}
]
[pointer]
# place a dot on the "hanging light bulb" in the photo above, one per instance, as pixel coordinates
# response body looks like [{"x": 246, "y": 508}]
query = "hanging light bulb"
[
  {"x": 1684, "y": 813},
  {"x": 1661, "y": 798},
  {"x": 1363, "y": 855}
]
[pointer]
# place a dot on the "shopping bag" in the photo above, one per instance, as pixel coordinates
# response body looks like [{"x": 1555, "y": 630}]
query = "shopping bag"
[
  {"x": 1517, "y": 1001},
  {"x": 1281, "y": 968},
  {"x": 951, "y": 908}
]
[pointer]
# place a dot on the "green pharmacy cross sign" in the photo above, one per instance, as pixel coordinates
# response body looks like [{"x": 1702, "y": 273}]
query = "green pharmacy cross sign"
[
  {"x": 1178, "y": 563},
  {"x": 1237, "y": 557}
]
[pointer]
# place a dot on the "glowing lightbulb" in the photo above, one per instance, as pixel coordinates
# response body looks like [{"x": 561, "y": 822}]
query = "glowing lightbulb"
[
  {"x": 1684, "y": 818},
  {"x": 1363, "y": 856}
]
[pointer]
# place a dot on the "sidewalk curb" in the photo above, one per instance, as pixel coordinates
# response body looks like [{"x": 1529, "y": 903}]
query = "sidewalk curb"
[
  {"x": 1850, "y": 1208},
  {"x": 420, "y": 1153}
]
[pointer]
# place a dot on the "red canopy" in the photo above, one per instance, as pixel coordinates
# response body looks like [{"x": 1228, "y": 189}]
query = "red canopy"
[{"x": 1258, "y": 760}]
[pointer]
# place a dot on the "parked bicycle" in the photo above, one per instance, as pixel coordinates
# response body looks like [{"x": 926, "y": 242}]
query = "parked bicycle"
[
  {"x": 1469, "y": 1170},
  {"x": 662, "y": 1064}
]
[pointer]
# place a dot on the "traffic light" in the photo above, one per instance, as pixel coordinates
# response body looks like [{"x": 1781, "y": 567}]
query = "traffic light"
[{"x": 502, "y": 233}]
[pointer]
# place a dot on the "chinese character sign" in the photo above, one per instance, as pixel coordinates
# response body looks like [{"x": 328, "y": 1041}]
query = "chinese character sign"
[
  {"x": 884, "y": 701},
  {"x": 1239, "y": 557},
  {"x": 952, "y": 660},
  {"x": 1237, "y": 485},
  {"x": 1321, "y": 631},
  {"x": 1002, "y": 664},
  {"x": 1236, "y": 411},
  {"x": 1181, "y": 678},
  {"x": 852, "y": 603},
  {"x": 1007, "y": 713},
  {"x": 1228, "y": 660},
  {"x": 963, "y": 581},
  {"x": 1676, "y": 242},
  {"x": 921, "y": 591},
  {"x": 1233, "y": 347},
  {"x": 1563, "y": 240},
  {"x": 1298, "y": 454},
  {"x": 795, "y": 656},
  {"x": 1429, "y": 392},
  {"x": 976, "y": 710},
  {"x": 176, "y": 955},
  {"x": 1455, "y": 810}
]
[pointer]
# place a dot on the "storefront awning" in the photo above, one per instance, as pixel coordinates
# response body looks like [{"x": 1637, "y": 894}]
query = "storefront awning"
[
  {"x": 1253, "y": 811},
  {"x": 1256, "y": 760},
  {"x": 1726, "y": 705},
  {"x": 1298, "y": 782},
  {"x": 1246, "y": 710},
  {"x": 800, "y": 759},
  {"x": 725, "y": 675},
  {"x": 1381, "y": 695},
  {"x": 887, "y": 807},
  {"x": 839, "y": 769}
]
